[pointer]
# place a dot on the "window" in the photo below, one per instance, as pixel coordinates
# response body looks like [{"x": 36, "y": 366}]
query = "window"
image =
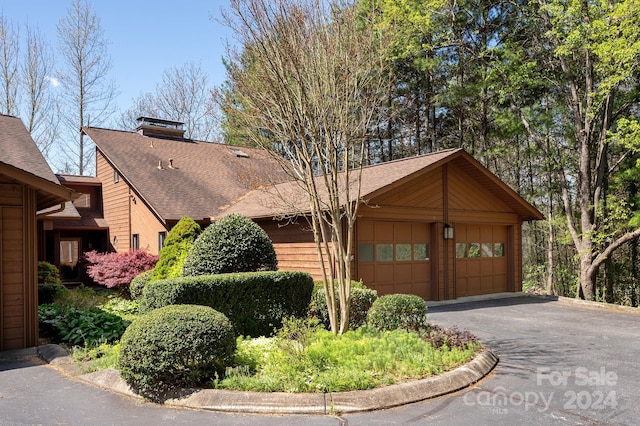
[
  {"x": 384, "y": 252},
  {"x": 365, "y": 252},
  {"x": 161, "y": 237},
  {"x": 461, "y": 250},
  {"x": 421, "y": 252},
  {"x": 403, "y": 252},
  {"x": 116, "y": 176},
  {"x": 474, "y": 250},
  {"x": 135, "y": 241},
  {"x": 486, "y": 250},
  {"x": 498, "y": 249}
]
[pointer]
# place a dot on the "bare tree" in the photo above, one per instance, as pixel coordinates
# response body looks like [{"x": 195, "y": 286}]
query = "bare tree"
[
  {"x": 309, "y": 79},
  {"x": 88, "y": 93},
  {"x": 39, "y": 109},
  {"x": 182, "y": 95},
  {"x": 9, "y": 60}
]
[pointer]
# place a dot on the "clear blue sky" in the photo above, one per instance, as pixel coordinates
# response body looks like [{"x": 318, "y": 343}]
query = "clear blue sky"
[{"x": 144, "y": 37}]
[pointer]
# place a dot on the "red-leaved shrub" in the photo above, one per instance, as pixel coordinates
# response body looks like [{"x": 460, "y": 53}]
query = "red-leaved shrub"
[{"x": 117, "y": 269}]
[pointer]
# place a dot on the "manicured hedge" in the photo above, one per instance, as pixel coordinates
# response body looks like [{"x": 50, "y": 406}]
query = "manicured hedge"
[
  {"x": 397, "y": 312},
  {"x": 255, "y": 302},
  {"x": 175, "y": 347},
  {"x": 138, "y": 284},
  {"x": 231, "y": 244},
  {"x": 361, "y": 300}
]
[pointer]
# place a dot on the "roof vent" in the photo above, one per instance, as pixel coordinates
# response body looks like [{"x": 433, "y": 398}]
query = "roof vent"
[
  {"x": 149, "y": 126},
  {"x": 239, "y": 153}
]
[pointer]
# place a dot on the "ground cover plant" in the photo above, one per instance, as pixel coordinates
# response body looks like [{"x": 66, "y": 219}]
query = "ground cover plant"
[
  {"x": 304, "y": 357},
  {"x": 83, "y": 317}
]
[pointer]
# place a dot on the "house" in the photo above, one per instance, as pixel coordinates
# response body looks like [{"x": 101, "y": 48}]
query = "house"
[
  {"x": 29, "y": 191},
  {"x": 77, "y": 229},
  {"x": 153, "y": 177},
  {"x": 440, "y": 226}
]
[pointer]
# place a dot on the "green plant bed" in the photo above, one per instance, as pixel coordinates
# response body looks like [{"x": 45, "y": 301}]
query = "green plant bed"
[{"x": 322, "y": 362}]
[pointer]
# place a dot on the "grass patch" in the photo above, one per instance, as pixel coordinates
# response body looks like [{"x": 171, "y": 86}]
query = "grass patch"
[{"x": 322, "y": 362}]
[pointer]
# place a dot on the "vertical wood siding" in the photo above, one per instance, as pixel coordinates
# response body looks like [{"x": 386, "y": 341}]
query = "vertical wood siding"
[{"x": 18, "y": 286}]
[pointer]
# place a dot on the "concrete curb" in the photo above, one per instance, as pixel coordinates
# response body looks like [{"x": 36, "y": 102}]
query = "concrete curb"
[
  {"x": 315, "y": 403},
  {"x": 342, "y": 402}
]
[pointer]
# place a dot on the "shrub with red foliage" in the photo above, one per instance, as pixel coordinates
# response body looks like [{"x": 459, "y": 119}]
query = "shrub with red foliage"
[{"x": 117, "y": 269}]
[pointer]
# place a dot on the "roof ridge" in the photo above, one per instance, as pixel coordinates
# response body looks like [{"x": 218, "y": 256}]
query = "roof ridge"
[{"x": 398, "y": 160}]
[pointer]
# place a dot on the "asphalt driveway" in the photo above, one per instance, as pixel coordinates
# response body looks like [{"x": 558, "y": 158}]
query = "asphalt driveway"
[{"x": 559, "y": 364}]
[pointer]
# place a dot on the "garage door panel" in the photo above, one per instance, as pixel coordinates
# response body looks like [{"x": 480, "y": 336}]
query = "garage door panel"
[
  {"x": 384, "y": 273},
  {"x": 484, "y": 274},
  {"x": 366, "y": 273},
  {"x": 383, "y": 231},
  {"x": 402, "y": 232},
  {"x": 403, "y": 273},
  {"x": 400, "y": 263}
]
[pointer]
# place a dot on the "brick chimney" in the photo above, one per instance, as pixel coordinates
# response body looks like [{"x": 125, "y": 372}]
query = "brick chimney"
[{"x": 157, "y": 127}]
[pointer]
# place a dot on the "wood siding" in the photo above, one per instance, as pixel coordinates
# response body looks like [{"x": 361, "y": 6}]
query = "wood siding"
[
  {"x": 146, "y": 225},
  {"x": 18, "y": 286},
  {"x": 295, "y": 247}
]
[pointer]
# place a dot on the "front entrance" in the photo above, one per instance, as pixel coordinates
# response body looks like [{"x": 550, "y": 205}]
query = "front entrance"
[
  {"x": 394, "y": 257},
  {"x": 481, "y": 259}
]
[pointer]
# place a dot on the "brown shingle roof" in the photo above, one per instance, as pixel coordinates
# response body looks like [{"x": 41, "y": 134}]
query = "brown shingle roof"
[
  {"x": 20, "y": 159},
  {"x": 205, "y": 176},
  {"x": 18, "y": 149},
  {"x": 290, "y": 198}
]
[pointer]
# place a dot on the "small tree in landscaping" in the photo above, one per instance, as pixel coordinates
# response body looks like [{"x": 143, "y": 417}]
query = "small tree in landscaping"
[
  {"x": 176, "y": 248},
  {"x": 232, "y": 244},
  {"x": 116, "y": 270}
]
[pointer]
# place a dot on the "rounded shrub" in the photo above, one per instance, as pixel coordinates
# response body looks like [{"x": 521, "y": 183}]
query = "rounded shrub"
[
  {"x": 398, "y": 311},
  {"x": 175, "y": 347},
  {"x": 176, "y": 248},
  {"x": 362, "y": 299},
  {"x": 48, "y": 273},
  {"x": 232, "y": 244},
  {"x": 138, "y": 283}
]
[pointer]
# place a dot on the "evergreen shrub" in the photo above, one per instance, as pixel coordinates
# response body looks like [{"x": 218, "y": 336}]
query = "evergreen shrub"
[
  {"x": 232, "y": 244},
  {"x": 48, "y": 273},
  {"x": 138, "y": 284},
  {"x": 362, "y": 298},
  {"x": 398, "y": 311},
  {"x": 176, "y": 248},
  {"x": 175, "y": 347},
  {"x": 49, "y": 284},
  {"x": 255, "y": 302}
]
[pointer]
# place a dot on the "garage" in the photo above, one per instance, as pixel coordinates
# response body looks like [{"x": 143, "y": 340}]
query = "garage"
[
  {"x": 481, "y": 259},
  {"x": 394, "y": 257},
  {"x": 440, "y": 226}
]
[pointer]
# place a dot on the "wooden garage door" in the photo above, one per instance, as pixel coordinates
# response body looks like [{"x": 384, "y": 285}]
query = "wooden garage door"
[
  {"x": 393, "y": 257},
  {"x": 481, "y": 261}
]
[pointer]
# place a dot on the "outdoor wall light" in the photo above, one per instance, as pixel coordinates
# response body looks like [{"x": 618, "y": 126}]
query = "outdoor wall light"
[{"x": 448, "y": 232}]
